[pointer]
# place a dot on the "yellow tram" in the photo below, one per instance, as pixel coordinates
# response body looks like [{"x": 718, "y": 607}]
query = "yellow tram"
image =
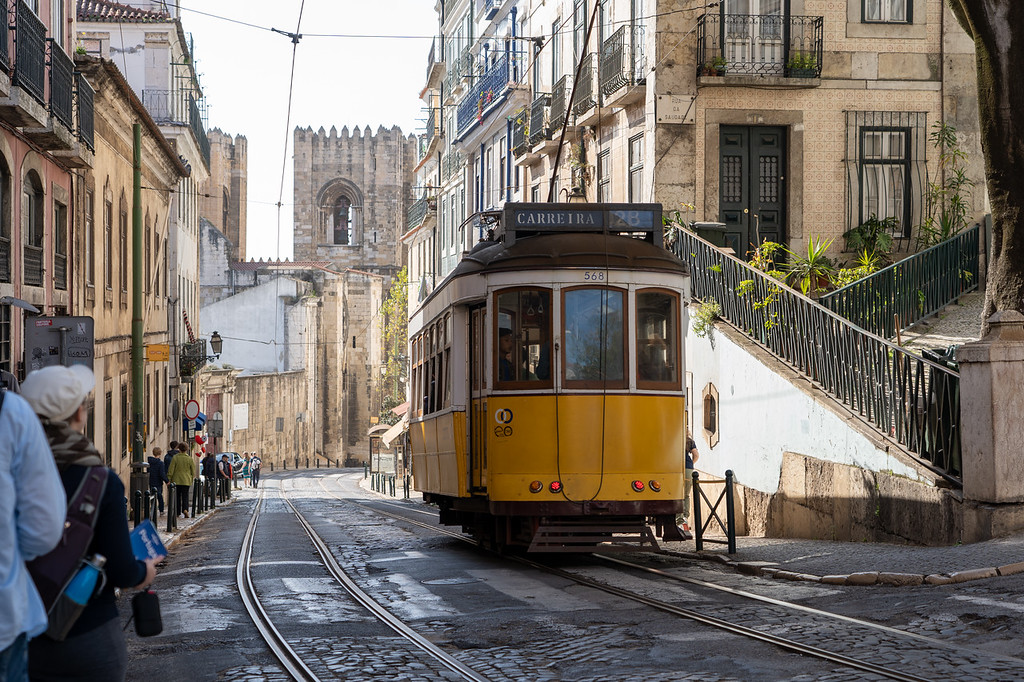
[{"x": 547, "y": 387}]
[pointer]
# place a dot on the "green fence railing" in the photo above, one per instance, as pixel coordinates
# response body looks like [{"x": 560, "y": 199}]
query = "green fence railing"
[
  {"x": 912, "y": 400},
  {"x": 906, "y": 292}
]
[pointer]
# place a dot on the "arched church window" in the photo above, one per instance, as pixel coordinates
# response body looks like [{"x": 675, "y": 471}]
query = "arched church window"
[{"x": 342, "y": 221}]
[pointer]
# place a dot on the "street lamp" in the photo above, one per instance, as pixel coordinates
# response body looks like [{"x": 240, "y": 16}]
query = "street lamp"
[{"x": 216, "y": 345}]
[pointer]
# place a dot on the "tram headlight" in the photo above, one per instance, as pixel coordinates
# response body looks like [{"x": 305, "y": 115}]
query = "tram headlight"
[
  {"x": 556, "y": 486},
  {"x": 655, "y": 486},
  {"x": 536, "y": 487},
  {"x": 638, "y": 486}
]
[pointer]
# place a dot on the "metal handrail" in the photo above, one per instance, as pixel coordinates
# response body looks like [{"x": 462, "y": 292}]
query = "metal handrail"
[
  {"x": 760, "y": 45},
  {"x": 911, "y": 400},
  {"x": 906, "y": 292}
]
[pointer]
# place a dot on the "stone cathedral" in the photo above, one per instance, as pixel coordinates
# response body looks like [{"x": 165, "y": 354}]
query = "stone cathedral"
[{"x": 352, "y": 190}]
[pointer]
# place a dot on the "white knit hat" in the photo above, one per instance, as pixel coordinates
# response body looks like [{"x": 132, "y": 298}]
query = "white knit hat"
[{"x": 56, "y": 392}]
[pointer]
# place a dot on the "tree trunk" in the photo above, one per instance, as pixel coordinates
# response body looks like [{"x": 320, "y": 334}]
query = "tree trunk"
[{"x": 997, "y": 27}]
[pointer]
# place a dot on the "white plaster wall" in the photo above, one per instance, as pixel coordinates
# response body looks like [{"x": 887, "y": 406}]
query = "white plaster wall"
[
  {"x": 253, "y": 326},
  {"x": 762, "y": 415}
]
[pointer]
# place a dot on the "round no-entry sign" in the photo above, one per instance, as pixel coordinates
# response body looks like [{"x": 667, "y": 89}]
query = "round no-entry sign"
[{"x": 191, "y": 409}]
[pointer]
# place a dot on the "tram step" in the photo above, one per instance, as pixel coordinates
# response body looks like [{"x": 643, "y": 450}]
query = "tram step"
[{"x": 586, "y": 537}]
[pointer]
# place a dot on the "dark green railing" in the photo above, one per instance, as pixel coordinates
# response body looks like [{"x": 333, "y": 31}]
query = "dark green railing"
[
  {"x": 907, "y": 398},
  {"x": 914, "y": 288}
]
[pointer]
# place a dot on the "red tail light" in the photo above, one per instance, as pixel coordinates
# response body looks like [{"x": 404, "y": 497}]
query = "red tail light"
[
  {"x": 638, "y": 486},
  {"x": 556, "y": 486}
]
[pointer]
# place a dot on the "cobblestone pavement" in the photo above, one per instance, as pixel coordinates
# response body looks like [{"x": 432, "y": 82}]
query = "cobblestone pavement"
[{"x": 955, "y": 324}]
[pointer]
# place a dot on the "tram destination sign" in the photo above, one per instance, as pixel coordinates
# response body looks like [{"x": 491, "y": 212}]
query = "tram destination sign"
[{"x": 531, "y": 218}]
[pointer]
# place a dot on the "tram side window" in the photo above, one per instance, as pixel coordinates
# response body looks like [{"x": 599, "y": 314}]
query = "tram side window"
[
  {"x": 657, "y": 339},
  {"x": 523, "y": 338},
  {"x": 594, "y": 337}
]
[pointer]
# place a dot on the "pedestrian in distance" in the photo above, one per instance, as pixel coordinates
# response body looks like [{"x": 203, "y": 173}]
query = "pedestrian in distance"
[
  {"x": 224, "y": 476},
  {"x": 172, "y": 450},
  {"x": 254, "y": 467},
  {"x": 691, "y": 458},
  {"x": 181, "y": 474},
  {"x": 246, "y": 471},
  {"x": 32, "y": 506},
  {"x": 96, "y": 641},
  {"x": 157, "y": 476}
]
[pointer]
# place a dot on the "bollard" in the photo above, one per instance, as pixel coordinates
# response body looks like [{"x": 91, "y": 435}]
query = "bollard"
[
  {"x": 196, "y": 483},
  {"x": 296, "y": 462},
  {"x": 391, "y": 485},
  {"x": 730, "y": 513},
  {"x": 317, "y": 462},
  {"x": 137, "y": 509},
  {"x": 172, "y": 505},
  {"x": 366, "y": 470},
  {"x": 146, "y": 496},
  {"x": 307, "y": 462},
  {"x": 405, "y": 485},
  {"x": 698, "y": 526}
]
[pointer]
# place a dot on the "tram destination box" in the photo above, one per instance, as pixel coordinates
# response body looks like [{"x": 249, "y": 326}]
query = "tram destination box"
[{"x": 525, "y": 219}]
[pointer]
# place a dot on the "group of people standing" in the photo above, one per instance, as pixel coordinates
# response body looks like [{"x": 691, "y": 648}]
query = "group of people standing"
[
  {"x": 179, "y": 467},
  {"x": 44, "y": 456}
]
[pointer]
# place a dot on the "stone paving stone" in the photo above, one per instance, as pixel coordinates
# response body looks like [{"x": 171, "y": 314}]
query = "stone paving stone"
[
  {"x": 975, "y": 574},
  {"x": 936, "y": 579},
  {"x": 865, "y": 578},
  {"x": 834, "y": 579},
  {"x": 900, "y": 579},
  {"x": 1011, "y": 569}
]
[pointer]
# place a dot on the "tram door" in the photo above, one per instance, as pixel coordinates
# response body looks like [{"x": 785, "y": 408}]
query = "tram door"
[{"x": 478, "y": 402}]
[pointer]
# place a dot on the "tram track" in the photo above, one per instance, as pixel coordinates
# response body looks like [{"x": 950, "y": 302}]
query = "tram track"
[
  {"x": 789, "y": 644},
  {"x": 290, "y": 660}
]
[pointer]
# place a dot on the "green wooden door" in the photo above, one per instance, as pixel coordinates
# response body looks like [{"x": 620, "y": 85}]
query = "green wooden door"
[{"x": 751, "y": 198}]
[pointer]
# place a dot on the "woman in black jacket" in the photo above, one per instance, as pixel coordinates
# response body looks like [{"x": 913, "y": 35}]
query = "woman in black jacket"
[{"x": 95, "y": 648}]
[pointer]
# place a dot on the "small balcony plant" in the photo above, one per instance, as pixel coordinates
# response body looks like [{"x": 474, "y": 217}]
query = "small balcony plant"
[
  {"x": 715, "y": 67},
  {"x": 802, "y": 65}
]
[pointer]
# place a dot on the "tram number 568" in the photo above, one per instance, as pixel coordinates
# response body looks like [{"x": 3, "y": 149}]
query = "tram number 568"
[
  {"x": 504, "y": 419},
  {"x": 593, "y": 276}
]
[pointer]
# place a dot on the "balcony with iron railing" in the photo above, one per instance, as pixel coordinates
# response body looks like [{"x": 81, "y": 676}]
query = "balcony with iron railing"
[
  {"x": 33, "y": 265},
  {"x": 490, "y": 8},
  {"x": 521, "y": 131},
  {"x": 421, "y": 209},
  {"x": 759, "y": 46},
  {"x": 5, "y": 54},
  {"x": 435, "y": 63},
  {"x": 195, "y": 122},
  {"x": 433, "y": 134},
  {"x": 192, "y": 358},
  {"x": 84, "y": 101},
  {"x": 29, "y": 52},
  {"x": 624, "y": 66},
  {"x": 585, "y": 102},
  {"x": 62, "y": 83},
  {"x": 540, "y": 109},
  {"x": 484, "y": 96},
  {"x": 60, "y": 271},
  {"x": 560, "y": 102},
  {"x": 451, "y": 164},
  {"x": 460, "y": 68}
]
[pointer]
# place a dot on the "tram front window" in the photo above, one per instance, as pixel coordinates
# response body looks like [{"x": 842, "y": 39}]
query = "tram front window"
[
  {"x": 523, "y": 338},
  {"x": 594, "y": 337}
]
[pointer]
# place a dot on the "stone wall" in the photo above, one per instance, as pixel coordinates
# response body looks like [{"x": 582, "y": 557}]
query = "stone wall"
[
  {"x": 222, "y": 198},
  {"x": 280, "y": 422}
]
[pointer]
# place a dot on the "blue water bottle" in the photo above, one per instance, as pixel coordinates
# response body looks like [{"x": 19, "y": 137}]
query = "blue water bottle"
[{"x": 83, "y": 584}]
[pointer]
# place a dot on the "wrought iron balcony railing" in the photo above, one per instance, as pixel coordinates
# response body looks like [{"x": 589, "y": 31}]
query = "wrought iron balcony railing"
[
  {"x": 540, "y": 109},
  {"x": 29, "y": 52},
  {"x": 5, "y": 55},
  {"x": 451, "y": 164},
  {"x": 195, "y": 122},
  {"x": 560, "y": 101},
  {"x": 33, "y": 264},
  {"x": 5, "y": 259},
  {"x": 419, "y": 211},
  {"x": 192, "y": 358},
  {"x": 759, "y": 45},
  {"x": 433, "y": 124},
  {"x": 486, "y": 94},
  {"x": 586, "y": 88},
  {"x": 60, "y": 271},
  {"x": 623, "y": 62},
  {"x": 490, "y": 8},
  {"x": 521, "y": 131},
  {"x": 435, "y": 57},
  {"x": 62, "y": 83},
  {"x": 85, "y": 103}
]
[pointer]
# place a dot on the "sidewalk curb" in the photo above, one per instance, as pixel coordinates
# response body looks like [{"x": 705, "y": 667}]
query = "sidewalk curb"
[{"x": 185, "y": 532}]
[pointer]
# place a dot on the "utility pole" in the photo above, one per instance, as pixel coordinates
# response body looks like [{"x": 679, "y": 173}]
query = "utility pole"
[{"x": 140, "y": 475}]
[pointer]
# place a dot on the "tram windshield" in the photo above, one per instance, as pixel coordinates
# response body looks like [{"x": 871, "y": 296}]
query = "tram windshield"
[
  {"x": 594, "y": 337},
  {"x": 523, "y": 339}
]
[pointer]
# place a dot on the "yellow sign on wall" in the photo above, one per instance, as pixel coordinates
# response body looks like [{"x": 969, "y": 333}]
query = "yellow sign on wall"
[{"x": 158, "y": 352}]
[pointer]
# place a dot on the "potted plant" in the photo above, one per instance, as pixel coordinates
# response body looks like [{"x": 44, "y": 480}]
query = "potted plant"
[
  {"x": 811, "y": 273},
  {"x": 719, "y": 64},
  {"x": 802, "y": 65}
]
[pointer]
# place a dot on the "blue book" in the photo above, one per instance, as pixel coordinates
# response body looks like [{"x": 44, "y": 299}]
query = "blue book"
[{"x": 146, "y": 543}]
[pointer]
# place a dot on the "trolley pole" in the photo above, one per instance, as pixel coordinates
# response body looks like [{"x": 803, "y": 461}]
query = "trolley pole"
[{"x": 139, "y": 477}]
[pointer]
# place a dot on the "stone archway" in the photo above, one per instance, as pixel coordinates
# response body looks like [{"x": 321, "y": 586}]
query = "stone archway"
[{"x": 339, "y": 206}]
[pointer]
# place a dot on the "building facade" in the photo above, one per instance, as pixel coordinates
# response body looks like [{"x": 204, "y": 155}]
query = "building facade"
[
  {"x": 46, "y": 130},
  {"x": 784, "y": 121},
  {"x": 102, "y": 272},
  {"x": 222, "y": 197}
]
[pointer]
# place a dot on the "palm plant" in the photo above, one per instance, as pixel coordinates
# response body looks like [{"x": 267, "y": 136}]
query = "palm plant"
[{"x": 813, "y": 272}]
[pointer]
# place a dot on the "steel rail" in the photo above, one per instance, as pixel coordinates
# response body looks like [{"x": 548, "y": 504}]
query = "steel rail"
[
  {"x": 743, "y": 631},
  {"x": 382, "y": 614},
  {"x": 291, "y": 661}
]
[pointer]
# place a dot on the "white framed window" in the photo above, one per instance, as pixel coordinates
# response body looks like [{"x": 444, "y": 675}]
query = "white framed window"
[
  {"x": 887, "y": 11},
  {"x": 636, "y": 168}
]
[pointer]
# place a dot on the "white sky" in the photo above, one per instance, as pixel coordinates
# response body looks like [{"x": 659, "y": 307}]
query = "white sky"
[{"x": 338, "y": 81}]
